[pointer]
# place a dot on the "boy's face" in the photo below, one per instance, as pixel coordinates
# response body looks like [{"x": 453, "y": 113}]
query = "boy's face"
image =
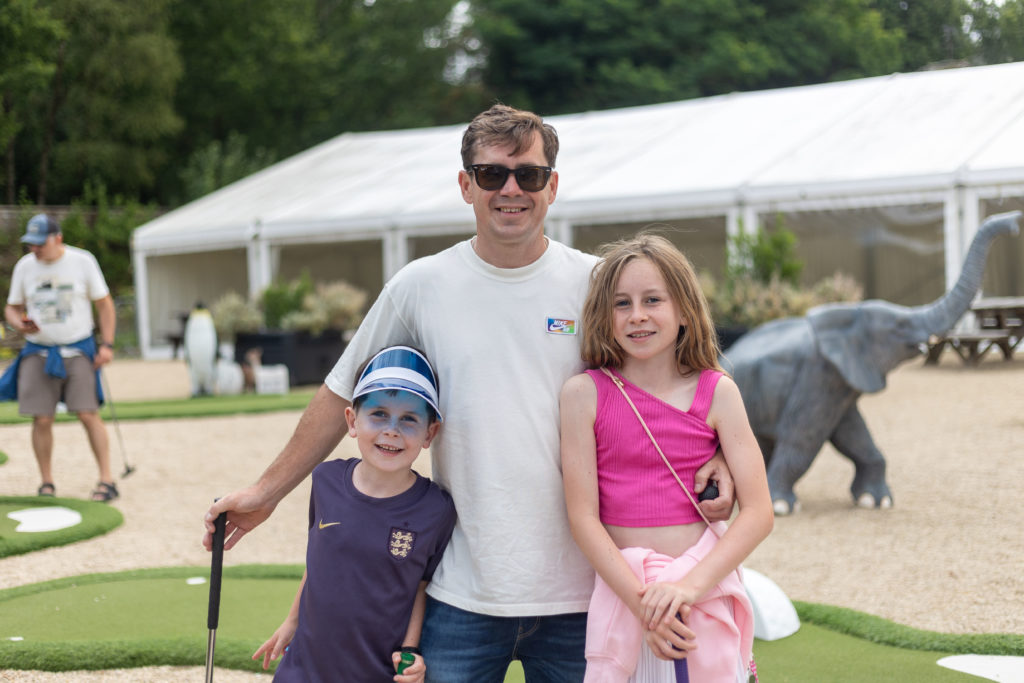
[{"x": 391, "y": 430}]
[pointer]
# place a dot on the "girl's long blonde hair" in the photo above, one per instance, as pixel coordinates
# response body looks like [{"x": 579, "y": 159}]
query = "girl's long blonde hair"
[{"x": 697, "y": 343}]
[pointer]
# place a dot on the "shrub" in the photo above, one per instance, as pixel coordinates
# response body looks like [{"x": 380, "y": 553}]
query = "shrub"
[{"x": 294, "y": 305}]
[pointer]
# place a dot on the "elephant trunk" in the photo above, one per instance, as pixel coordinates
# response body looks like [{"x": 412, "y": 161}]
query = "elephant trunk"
[{"x": 940, "y": 315}]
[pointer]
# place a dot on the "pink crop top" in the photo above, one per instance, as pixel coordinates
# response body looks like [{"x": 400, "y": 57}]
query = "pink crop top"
[{"x": 635, "y": 488}]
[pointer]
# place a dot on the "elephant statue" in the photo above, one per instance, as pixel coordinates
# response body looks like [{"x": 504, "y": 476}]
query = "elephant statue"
[{"x": 801, "y": 377}]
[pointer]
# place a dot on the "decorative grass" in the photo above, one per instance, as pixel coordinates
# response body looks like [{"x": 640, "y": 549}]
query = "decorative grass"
[
  {"x": 97, "y": 519},
  {"x": 203, "y": 406},
  {"x": 153, "y": 618}
]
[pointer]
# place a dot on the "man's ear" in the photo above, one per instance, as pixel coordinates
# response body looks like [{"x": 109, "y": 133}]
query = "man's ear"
[
  {"x": 552, "y": 187},
  {"x": 466, "y": 186}
]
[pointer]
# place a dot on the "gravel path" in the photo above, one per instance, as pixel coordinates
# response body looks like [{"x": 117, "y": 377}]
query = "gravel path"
[{"x": 947, "y": 557}]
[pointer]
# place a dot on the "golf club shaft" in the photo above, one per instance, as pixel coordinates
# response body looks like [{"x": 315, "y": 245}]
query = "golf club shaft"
[
  {"x": 213, "y": 615},
  {"x": 128, "y": 469}
]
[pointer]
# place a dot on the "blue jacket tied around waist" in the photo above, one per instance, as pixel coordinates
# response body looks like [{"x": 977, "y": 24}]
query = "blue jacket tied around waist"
[{"x": 54, "y": 366}]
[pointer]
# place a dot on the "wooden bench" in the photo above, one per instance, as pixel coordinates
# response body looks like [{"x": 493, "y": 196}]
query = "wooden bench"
[{"x": 972, "y": 346}]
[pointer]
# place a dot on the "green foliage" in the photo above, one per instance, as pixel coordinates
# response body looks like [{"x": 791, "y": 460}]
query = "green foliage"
[
  {"x": 762, "y": 281},
  {"x": 595, "y": 54},
  {"x": 1000, "y": 30},
  {"x": 765, "y": 255},
  {"x": 103, "y": 225},
  {"x": 281, "y": 298},
  {"x": 294, "y": 305},
  {"x": 219, "y": 164},
  {"x": 233, "y": 313}
]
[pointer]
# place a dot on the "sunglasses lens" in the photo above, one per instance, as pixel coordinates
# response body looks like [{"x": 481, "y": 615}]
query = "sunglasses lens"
[
  {"x": 490, "y": 177},
  {"x": 532, "y": 178}
]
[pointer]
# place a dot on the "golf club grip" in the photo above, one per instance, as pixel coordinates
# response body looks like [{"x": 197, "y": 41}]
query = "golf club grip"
[{"x": 218, "y": 559}]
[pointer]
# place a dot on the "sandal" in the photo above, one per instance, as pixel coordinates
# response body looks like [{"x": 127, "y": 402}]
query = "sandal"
[
  {"x": 47, "y": 490},
  {"x": 104, "y": 492}
]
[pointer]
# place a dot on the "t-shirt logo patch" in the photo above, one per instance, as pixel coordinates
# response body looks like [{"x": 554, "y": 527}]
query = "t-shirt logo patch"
[
  {"x": 400, "y": 543},
  {"x": 561, "y": 326}
]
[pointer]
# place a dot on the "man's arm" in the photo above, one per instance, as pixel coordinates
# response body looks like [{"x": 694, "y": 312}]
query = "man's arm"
[
  {"x": 106, "y": 316},
  {"x": 318, "y": 433}
]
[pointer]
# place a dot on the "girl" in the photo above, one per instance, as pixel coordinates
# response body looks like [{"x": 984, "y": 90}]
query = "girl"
[{"x": 646, "y": 321}]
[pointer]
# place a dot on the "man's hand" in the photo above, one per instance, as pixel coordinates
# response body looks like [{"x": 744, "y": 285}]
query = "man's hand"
[
  {"x": 104, "y": 354},
  {"x": 246, "y": 508},
  {"x": 717, "y": 509}
]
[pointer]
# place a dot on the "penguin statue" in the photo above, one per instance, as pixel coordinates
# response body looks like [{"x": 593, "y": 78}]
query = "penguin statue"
[{"x": 201, "y": 350}]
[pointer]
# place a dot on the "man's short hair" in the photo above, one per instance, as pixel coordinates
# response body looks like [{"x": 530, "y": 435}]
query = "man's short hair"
[{"x": 505, "y": 125}]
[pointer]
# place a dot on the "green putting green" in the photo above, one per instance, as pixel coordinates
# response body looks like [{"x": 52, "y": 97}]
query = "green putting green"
[
  {"x": 78, "y": 519},
  {"x": 158, "y": 617}
]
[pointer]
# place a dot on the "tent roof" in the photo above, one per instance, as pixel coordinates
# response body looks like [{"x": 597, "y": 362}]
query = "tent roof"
[{"x": 917, "y": 132}]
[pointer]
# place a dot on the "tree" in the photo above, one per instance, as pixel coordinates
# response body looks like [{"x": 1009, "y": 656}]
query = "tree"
[
  {"x": 106, "y": 114},
  {"x": 27, "y": 32},
  {"x": 999, "y": 30},
  {"x": 573, "y": 55},
  {"x": 933, "y": 30}
]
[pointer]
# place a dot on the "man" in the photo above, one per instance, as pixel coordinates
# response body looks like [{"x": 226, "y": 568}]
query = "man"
[
  {"x": 497, "y": 314},
  {"x": 53, "y": 290}
]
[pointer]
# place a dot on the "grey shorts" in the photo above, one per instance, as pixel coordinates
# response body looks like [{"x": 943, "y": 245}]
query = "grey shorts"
[{"x": 38, "y": 392}]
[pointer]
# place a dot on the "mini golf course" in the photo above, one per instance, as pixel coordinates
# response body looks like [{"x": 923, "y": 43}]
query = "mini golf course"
[{"x": 157, "y": 617}]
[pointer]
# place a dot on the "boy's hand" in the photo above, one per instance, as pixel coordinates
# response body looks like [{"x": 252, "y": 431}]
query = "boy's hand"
[
  {"x": 276, "y": 645},
  {"x": 414, "y": 673}
]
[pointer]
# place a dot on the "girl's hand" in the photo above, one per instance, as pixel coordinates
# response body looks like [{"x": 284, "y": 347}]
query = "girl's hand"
[
  {"x": 276, "y": 644},
  {"x": 671, "y": 641},
  {"x": 661, "y": 601},
  {"x": 414, "y": 673}
]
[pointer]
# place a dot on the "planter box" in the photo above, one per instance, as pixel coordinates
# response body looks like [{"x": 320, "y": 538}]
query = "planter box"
[{"x": 309, "y": 358}]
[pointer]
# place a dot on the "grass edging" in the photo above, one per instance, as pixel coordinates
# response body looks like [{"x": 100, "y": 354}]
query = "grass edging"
[
  {"x": 97, "y": 519},
  {"x": 884, "y": 632},
  {"x": 204, "y": 406}
]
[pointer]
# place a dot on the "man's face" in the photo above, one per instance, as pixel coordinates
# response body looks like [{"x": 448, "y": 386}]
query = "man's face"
[
  {"x": 50, "y": 250},
  {"x": 509, "y": 220}
]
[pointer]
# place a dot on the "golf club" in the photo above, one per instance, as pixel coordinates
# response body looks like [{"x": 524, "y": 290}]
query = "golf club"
[
  {"x": 213, "y": 615},
  {"x": 128, "y": 469}
]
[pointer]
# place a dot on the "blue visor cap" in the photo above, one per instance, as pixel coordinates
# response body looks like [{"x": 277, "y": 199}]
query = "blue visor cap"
[{"x": 403, "y": 369}]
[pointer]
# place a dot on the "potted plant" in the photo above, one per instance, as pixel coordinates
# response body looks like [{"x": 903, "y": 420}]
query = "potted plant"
[{"x": 297, "y": 324}]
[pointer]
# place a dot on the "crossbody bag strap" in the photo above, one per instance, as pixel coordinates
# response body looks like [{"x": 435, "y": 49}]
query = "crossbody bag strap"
[{"x": 618, "y": 383}]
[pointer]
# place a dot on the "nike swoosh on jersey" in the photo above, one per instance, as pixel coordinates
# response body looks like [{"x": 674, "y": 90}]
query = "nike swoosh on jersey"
[{"x": 324, "y": 526}]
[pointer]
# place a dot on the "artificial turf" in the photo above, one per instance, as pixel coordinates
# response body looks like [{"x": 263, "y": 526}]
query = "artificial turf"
[
  {"x": 97, "y": 519},
  {"x": 158, "y": 617}
]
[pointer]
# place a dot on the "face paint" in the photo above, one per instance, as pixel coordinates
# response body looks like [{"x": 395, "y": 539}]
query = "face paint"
[{"x": 403, "y": 412}]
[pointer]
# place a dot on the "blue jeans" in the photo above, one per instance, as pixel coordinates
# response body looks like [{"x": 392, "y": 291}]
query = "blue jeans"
[{"x": 466, "y": 647}]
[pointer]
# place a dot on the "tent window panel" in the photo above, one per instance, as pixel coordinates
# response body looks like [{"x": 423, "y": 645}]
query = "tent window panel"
[
  {"x": 178, "y": 281},
  {"x": 1004, "y": 270},
  {"x": 896, "y": 253},
  {"x": 428, "y": 246},
  {"x": 359, "y": 263},
  {"x": 701, "y": 239}
]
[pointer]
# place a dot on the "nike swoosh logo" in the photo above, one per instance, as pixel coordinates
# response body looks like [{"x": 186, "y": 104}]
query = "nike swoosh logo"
[{"x": 324, "y": 526}]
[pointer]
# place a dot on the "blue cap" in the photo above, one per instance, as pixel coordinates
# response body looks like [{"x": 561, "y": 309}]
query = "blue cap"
[
  {"x": 39, "y": 228},
  {"x": 399, "y": 368}
]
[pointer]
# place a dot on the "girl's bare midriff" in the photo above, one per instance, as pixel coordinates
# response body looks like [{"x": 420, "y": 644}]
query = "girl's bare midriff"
[{"x": 673, "y": 540}]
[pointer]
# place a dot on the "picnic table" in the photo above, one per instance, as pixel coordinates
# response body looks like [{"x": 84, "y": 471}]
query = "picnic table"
[{"x": 1000, "y": 324}]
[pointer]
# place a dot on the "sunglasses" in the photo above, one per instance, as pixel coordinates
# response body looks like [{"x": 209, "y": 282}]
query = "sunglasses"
[{"x": 493, "y": 177}]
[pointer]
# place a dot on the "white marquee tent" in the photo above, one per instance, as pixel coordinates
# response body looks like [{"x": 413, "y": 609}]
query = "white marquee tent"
[{"x": 908, "y": 162}]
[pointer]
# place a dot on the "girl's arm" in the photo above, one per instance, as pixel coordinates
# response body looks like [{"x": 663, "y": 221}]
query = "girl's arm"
[
  {"x": 752, "y": 524},
  {"x": 275, "y": 645},
  {"x": 578, "y": 407},
  {"x": 416, "y": 671}
]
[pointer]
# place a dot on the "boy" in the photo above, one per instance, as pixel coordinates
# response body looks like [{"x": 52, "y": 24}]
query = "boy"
[{"x": 377, "y": 530}]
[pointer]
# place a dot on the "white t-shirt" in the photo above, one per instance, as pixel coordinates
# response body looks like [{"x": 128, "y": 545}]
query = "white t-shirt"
[
  {"x": 503, "y": 341},
  {"x": 58, "y": 296}
]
